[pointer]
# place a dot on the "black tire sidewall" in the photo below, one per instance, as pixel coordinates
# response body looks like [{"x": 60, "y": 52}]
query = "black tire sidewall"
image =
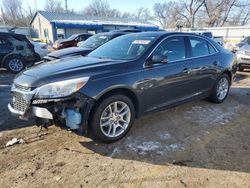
[
  {"x": 9, "y": 58},
  {"x": 214, "y": 96},
  {"x": 98, "y": 110}
]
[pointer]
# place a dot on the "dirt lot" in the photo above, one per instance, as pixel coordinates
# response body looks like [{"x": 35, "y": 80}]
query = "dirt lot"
[{"x": 198, "y": 144}]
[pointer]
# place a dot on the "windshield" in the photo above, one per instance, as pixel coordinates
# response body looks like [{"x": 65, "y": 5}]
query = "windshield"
[
  {"x": 95, "y": 41},
  {"x": 126, "y": 47},
  {"x": 72, "y": 37}
]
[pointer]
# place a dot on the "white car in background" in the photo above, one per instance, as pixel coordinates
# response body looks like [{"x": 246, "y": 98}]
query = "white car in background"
[
  {"x": 243, "y": 57},
  {"x": 41, "y": 48}
]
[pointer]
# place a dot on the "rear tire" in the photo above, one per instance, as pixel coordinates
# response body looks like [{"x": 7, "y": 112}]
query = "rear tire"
[
  {"x": 112, "y": 118},
  {"x": 221, "y": 89},
  {"x": 14, "y": 64}
]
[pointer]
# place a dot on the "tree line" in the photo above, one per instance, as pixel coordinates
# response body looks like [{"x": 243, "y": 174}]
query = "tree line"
[{"x": 168, "y": 14}]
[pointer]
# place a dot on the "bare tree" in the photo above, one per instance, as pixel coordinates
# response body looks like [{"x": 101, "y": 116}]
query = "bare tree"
[
  {"x": 220, "y": 12},
  {"x": 142, "y": 14},
  {"x": 167, "y": 14},
  {"x": 101, "y": 8},
  {"x": 54, "y": 6},
  {"x": 191, "y": 8},
  {"x": 12, "y": 13}
]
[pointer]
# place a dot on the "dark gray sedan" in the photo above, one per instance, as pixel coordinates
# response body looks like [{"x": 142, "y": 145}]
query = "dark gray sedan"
[{"x": 124, "y": 79}]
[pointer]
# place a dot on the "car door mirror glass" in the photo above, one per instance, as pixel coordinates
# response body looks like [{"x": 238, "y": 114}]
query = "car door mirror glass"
[{"x": 158, "y": 59}]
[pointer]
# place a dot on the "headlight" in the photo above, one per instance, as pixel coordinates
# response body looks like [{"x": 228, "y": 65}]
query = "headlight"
[{"x": 61, "y": 89}]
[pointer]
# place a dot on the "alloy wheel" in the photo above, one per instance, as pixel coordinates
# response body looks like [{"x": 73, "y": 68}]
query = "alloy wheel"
[
  {"x": 222, "y": 88},
  {"x": 115, "y": 119},
  {"x": 15, "y": 65}
]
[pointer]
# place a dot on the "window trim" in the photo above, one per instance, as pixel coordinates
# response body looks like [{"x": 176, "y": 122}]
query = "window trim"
[
  {"x": 186, "y": 45},
  {"x": 208, "y": 42}
]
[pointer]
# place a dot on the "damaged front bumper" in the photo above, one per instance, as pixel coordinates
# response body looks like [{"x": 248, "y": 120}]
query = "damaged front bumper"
[{"x": 71, "y": 111}]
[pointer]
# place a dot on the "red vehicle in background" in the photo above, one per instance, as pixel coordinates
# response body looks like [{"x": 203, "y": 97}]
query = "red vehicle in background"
[{"x": 71, "y": 41}]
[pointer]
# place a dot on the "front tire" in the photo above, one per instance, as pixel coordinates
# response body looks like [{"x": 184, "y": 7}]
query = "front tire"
[
  {"x": 221, "y": 89},
  {"x": 112, "y": 118}
]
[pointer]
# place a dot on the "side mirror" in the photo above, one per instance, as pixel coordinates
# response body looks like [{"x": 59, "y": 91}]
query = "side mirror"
[
  {"x": 19, "y": 48},
  {"x": 157, "y": 59}
]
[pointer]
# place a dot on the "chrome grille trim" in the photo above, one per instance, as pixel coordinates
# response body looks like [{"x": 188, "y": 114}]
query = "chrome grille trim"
[{"x": 19, "y": 103}]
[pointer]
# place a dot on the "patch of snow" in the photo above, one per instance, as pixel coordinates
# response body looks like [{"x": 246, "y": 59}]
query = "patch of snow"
[
  {"x": 115, "y": 151},
  {"x": 1, "y": 134},
  {"x": 150, "y": 146},
  {"x": 173, "y": 146},
  {"x": 164, "y": 136},
  {"x": 210, "y": 115}
]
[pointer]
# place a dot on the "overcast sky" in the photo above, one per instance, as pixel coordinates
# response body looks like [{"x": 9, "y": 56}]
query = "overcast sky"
[{"x": 123, "y": 5}]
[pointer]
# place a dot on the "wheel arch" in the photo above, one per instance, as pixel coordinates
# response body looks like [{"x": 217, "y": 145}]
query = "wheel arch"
[
  {"x": 123, "y": 91},
  {"x": 230, "y": 75}
]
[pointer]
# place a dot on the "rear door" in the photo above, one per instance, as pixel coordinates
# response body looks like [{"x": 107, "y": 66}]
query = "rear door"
[
  {"x": 203, "y": 64},
  {"x": 5, "y": 47}
]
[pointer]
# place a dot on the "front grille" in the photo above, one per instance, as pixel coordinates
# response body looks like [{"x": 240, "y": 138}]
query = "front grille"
[{"x": 19, "y": 103}]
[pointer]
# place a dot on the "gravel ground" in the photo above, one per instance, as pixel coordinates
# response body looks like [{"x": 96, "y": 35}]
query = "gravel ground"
[{"x": 198, "y": 144}]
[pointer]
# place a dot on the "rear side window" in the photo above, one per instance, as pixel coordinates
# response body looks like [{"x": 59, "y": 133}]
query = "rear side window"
[
  {"x": 173, "y": 48},
  {"x": 200, "y": 47}
]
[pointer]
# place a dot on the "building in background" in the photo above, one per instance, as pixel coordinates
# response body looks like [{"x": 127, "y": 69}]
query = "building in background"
[{"x": 53, "y": 26}]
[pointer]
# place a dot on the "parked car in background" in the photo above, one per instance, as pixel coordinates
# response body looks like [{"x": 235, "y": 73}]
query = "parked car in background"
[
  {"x": 219, "y": 40},
  {"x": 85, "y": 47},
  {"x": 125, "y": 78},
  {"x": 16, "y": 52},
  {"x": 243, "y": 57},
  {"x": 243, "y": 42},
  {"x": 41, "y": 48},
  {"x": 71, "y": 41}
]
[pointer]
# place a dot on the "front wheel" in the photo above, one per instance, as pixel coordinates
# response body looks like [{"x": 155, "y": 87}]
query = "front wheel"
[
  {"x": 221, "y": 89},
  {"x": 112, "y": 118}
]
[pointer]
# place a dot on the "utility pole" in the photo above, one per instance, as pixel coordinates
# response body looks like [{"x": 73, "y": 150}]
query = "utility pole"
[{"x": 66, "y": 6}]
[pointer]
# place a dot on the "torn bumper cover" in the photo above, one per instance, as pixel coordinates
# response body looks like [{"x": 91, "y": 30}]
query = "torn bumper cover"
[{"x": 71, "y": 111}]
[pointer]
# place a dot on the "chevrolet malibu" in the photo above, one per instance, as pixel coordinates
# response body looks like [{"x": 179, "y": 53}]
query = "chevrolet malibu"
[{"x": 124, "y": 79}]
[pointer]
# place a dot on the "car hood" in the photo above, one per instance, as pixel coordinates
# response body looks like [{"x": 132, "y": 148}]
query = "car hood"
[
  {"x": 245, "y": 47},
  {"x": 73, "y": 51},
  {"x": 240, "y": 44},
  {"x": 59, "y": 70}
]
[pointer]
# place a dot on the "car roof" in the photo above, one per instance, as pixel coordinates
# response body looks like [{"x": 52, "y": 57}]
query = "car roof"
[
  {"x": 11, "y": 34},
  {"x": 164, "y": 33}
]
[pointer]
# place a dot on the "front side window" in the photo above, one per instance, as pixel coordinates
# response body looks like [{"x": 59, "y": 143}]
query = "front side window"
[
  {"x": 200, "y": 47},
  {"x": 127, "y": 47},
  {"x": 172, "y": 48}
]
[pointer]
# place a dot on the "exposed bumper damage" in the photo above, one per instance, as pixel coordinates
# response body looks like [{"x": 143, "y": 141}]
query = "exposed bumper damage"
[{"x": 72, "y": 111}]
